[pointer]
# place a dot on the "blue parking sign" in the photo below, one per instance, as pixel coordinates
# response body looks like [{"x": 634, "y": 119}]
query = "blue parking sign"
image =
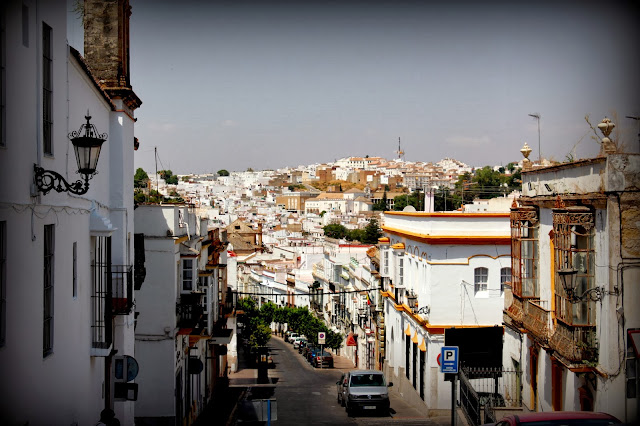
[{"x": 449, "y": 359}]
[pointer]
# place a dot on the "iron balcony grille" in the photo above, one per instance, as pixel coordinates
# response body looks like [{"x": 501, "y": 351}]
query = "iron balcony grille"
[{"x": 121, "y": 289}]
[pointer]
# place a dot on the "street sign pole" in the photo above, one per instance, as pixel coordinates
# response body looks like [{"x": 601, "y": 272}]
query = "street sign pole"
[
  {"x": 453, "y": 400},
  {"x": 449, "y": 365}
]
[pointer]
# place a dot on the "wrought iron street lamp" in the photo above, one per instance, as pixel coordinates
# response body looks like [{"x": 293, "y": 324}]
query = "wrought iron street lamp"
[
  {"x": 568, "y": 280},
  {"x": 87, "y": 143}
]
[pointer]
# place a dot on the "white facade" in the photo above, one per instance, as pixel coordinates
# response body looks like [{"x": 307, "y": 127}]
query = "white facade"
[
  {"x": 578, "y": 354},
  {"x": 55, "y": 368},
  {"x": 448, "y": 267}
]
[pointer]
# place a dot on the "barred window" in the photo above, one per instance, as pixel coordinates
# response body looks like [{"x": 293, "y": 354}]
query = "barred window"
[
  {"x": 524, "y": 252},
  {"x": 505, "y": 278},
  {"x": 574, "y": 230},
  {"x": 47, "y": 326},
  {"x": 480, "y": 279},
  {"x": 47, "y": 89}
]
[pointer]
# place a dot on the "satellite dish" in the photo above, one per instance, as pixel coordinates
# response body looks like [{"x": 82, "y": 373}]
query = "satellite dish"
[{"x": 409, "y": 209}]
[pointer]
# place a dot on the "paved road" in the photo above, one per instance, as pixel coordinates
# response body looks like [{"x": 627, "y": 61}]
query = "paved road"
[{"x": 308, "y": 396}]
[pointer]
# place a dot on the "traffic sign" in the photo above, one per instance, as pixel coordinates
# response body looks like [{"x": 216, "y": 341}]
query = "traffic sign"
[
  {"x": 449, "y": 359},
  {"x": 321, "y": 337}
]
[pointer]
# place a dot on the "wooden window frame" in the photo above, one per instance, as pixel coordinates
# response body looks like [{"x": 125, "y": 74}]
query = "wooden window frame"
[
  {"x": 525, "y": 230},
  {"x": 574, "y": 247}
]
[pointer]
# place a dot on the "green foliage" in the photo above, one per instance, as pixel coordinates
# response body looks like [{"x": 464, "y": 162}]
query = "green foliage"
[
  {"x": 260, "y": 335},
  {"x": 414, "y": 199},
  {"x": 168, "y": 177},
  {"x": 141, "y": 178},
  {"x": 223, "y": 172},
  {"x": 335, "y": 230},
  {"x": 381, "y": 205},
  {"x": 322, "y": 213},
  {"x": 371, "y": 232}
]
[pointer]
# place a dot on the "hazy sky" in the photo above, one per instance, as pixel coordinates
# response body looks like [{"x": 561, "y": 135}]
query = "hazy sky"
[{"x": 267, "y": 84}]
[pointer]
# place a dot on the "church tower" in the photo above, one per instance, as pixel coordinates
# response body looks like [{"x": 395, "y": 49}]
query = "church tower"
[{"x": 106, "y": 47}]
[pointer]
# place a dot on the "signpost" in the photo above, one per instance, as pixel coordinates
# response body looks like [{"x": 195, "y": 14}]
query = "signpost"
[
  {"x": 449, "y": 356},
  {"x": 321, "y": 340}
]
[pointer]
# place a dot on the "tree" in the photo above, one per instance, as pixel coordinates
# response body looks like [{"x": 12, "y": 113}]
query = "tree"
[
  {"x": 372, "y": 232},
  {"x": 223, "y": 172},
  {"x": 168, "y": 177},
  {"x": 141, "y": 178},
  {"x": 335, "y": 230},
  {"x": 413, "y": 199},
  {"x": 381, "y": 205}
]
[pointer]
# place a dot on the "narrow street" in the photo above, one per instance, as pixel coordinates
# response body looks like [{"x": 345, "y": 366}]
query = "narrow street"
[{"x": 306, "y": 395}]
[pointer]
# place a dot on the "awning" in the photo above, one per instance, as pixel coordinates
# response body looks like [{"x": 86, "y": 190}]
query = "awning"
[
  {"x": 351, "y": 340},
  {"x": 408, "y": 330},
  {"x": 423, "y": 346},
  {"x": 414, "y": 339}
]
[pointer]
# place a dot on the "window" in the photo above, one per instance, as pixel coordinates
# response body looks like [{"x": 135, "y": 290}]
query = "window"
[
  {"x": 47, "y": 89},
  {"x": 524, "y": 252},
  {"x": 75, "y": 270},
  {"x": 505, "y": 278},
  {"x": 47, "y": 329},
  {"x": 573, "y": 233},
  {"x": 480, "y": 279},
  {"x": 3, "y": 282},
  {"x": 187, "y": 274},
  {"x": 101, "y": 298}
]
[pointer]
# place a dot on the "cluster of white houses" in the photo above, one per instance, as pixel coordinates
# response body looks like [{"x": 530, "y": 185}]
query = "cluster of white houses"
[{"x": 570, "y": 346}]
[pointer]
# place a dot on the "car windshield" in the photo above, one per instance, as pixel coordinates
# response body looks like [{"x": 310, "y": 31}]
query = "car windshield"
[{"x": 367, "y": 380}]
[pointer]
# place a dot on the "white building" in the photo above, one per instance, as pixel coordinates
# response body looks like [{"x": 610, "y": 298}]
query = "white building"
[
  {"x": 439, "y": 270},
  {"x": 182, "y": 325},
  {"x": 66, "y": 263},
  {"x": 578, "y": 350}
]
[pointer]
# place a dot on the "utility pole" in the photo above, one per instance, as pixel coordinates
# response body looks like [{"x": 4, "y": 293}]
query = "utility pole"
[{"x": 537, "y": 117}]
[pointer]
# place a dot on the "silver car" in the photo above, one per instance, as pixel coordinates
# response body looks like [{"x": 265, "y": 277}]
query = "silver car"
[{"x": 364, "y": 390}]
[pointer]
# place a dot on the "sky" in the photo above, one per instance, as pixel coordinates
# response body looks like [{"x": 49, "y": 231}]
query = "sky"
[{"x": 271, "y": 84}]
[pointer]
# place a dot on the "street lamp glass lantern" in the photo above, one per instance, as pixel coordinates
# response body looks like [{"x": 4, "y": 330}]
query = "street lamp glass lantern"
[
  {"x": 87, "y": 147},
  {"x": 568, "y": 279}
]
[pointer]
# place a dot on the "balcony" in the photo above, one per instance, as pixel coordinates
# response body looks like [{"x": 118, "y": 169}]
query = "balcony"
[
  {"x": 121, "y": 289},
  {"x": 189, "y": 312},
  {"x": 576, "y": 344},
  {"x": 536, "y": 320},
  {"x": 516, "y": 310}
]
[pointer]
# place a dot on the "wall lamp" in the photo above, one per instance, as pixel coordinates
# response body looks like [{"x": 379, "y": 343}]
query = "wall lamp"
[
  {"x": 568, "y": 279},
  {"x": 86, "y": 144}
]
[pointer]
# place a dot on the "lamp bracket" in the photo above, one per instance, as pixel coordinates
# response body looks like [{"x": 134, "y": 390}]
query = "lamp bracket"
[
  {"x": 46, "y": 180},
  {"x": 595, "y": 294},
  {"x": 425, "y": 310}
]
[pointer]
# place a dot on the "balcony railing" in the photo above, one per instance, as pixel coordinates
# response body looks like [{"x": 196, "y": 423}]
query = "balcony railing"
[
  {"x": 536, "y": 319},
  {"x": 189, "y": 312},
  {"x": 516, "y": 310},
  {"x": 576, "y": 344},
  {"x": 121, "y": 289}
]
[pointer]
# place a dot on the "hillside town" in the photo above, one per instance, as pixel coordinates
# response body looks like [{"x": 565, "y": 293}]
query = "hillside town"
[{"x": 126, "y": 295}]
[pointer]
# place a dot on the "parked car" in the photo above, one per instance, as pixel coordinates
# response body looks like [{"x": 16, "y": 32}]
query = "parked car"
[
  {"x": 342, "y": 388},
  {"x": 322, "y": 359},
  {"x": 292, "y": 336},
  {"x": 311, "y": 355},
  {"x": 302, "y": 347},
  {"x": 297, "y": 341},
  {"x": 365, "y": 390},
  {"x": 569, "y": 418}
]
